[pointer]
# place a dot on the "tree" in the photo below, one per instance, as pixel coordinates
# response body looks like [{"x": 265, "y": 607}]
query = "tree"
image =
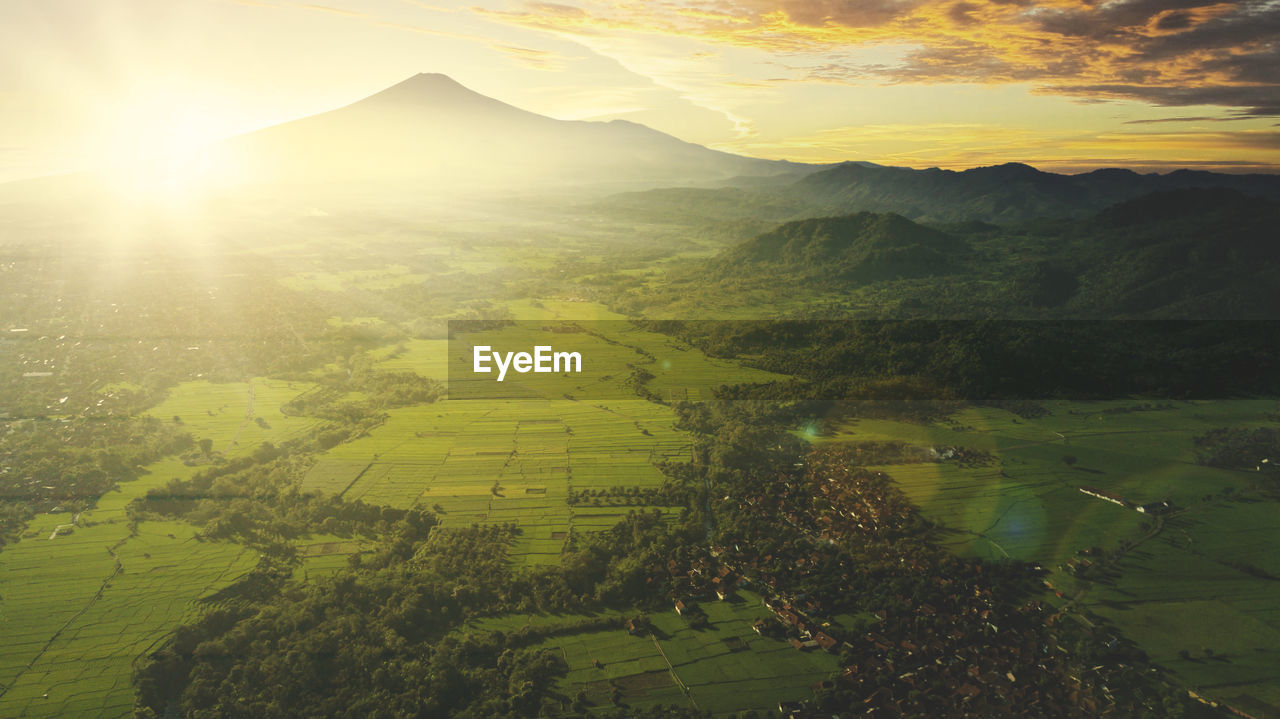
[{"x": 206, "y": 446}]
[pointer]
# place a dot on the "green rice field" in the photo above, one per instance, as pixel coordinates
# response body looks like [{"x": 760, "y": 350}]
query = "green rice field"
[
  {"x": 448, "y": 456},
  {"x": 82, "y": 596},
  {"x": 79, "y": 608},
  {"x": 724, "y": 668}
]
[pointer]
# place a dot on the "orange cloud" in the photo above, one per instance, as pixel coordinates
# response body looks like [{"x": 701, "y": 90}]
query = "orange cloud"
[{"x": 1164, "y": 52}]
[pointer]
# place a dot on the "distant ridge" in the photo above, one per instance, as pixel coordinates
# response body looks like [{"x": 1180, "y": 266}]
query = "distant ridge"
[
  {"x": 1197, "y": 253},
  {"x": 1011, "y": 192}
]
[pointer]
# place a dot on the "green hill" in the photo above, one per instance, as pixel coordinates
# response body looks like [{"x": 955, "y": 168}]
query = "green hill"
[
  {"x": 1183, "y": 254},
  {"x": 863, "y": 247}
]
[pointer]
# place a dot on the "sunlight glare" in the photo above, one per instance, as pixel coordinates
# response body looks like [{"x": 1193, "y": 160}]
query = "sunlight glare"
[{"x": 158, "y": 152}]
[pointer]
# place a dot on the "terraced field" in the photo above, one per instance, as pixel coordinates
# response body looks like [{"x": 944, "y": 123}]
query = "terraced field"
[
  {"x": 1174, "y": 594},
  {"x": 560, "y": 309},
  {"x": 321, "y": 555}
]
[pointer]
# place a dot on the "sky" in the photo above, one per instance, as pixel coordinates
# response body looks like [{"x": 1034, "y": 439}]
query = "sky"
[{"x": 1064, "y": 85}]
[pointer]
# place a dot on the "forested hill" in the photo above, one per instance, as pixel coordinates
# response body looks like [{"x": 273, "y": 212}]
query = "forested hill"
[
  {"x": 1198, "y": 253},
  {"x": 1182, "y": 254},
  {"x": 1006, "y": 194},
  {"x": 864, "y": 247}
]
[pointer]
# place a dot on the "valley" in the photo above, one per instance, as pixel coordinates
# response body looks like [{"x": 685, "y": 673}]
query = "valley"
[{"x": 237, "y": 476}]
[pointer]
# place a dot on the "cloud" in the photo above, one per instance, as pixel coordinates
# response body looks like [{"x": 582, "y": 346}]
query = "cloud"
[
  {"x": 1174, "y": 21},
  {"x": 961, "y": 13},
  {"x": 1198, "y": 118},
  {"x": 528, "y": 57},
  {"x": 534, "y": 59},
  {"x": 1251, "y": 100},
  {"x": 1162, "y": 52},
  {"x": 846, "y": 13},
  {"x": 334, "y": 10}
]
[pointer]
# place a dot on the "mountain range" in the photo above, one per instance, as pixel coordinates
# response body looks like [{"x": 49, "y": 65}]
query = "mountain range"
[
  {"x": 430, "y": 137},
  {"x": 1203, "y": 253},
  {"x": 1003, "y": 194},
  {"x": 430, "y": 131},
  {"x": 1011, "y": 192}
]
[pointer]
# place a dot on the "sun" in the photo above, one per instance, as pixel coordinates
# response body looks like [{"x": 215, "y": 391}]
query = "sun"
[{"x": 158, "y": 151}]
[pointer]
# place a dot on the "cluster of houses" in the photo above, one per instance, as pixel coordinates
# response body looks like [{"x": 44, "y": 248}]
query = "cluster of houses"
[
  {"x": 805, "y": 633},
  {"x": 701, "y": 581},
  {"x": 942, "y": 668},
  {"x": 900, "y": 669},
  {"x": 852, "y": 501},
  {"x": 952, "y": 647}
]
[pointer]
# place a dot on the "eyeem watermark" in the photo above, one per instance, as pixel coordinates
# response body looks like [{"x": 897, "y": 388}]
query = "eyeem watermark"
[{"x": 543, "y": 360}]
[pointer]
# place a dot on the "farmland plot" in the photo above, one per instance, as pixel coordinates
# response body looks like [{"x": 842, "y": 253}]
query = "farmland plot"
[
  {"x": 81, "y": 597},
  {"x": 236, "y": 416},
  {"x": 78, "y": 609},
  {"x": 492, "y": 461},
  {"x": 724, "y": 668}
]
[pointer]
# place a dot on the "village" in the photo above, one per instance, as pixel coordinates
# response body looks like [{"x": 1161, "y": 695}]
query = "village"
[{"x": 918, "y": 630}]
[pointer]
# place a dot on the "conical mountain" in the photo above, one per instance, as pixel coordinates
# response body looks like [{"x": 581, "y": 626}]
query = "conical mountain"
[{"x": 431, "y": 131}]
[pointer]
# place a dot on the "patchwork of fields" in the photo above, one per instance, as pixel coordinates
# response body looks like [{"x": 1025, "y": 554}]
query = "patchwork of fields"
[
  {"x": 506, "y": 461},
  {"x": 517, "y": 459},
  {"x": 78, "y": 609},
  {"x": 81, "y": 598},
  {"x": 1184, "y": 586},
  {"x": 724, "y": 668},
  {"x": 81, "y": 602}
]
